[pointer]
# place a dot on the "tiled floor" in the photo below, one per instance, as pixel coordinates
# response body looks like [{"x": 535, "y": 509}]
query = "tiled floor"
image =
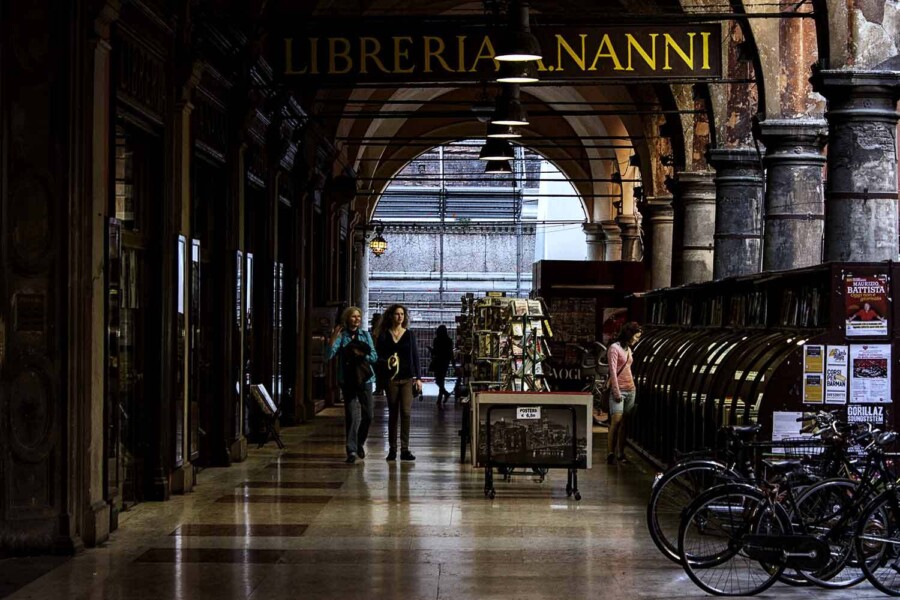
[{"x": 299, "y": 524}]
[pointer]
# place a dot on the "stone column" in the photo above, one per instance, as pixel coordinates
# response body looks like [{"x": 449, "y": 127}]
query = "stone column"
[
  {"x": 630, "y": 226},
  {"x": 662, "y": 222},
  {"x": 795, "y": 206},
  {"x": 612, "y": 240},
  {"x": 739, "y": 206},
  {"x": 593, "y": 233},
  {"x": 361, "y": 274},
  {"x": 697, "y": 197},
  {"x": 861, "y": 194}
]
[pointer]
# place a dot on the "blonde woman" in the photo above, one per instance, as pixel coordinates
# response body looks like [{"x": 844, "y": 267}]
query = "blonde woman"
[
  {"x": 397, "y": 348},
  {"x": 356, "y": 373}
]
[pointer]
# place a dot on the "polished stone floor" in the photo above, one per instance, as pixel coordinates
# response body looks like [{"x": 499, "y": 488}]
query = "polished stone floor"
[{"x": 299, "y": 524}]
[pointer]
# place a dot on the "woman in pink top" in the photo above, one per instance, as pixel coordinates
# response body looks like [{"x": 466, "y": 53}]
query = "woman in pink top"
[{"x": 621, "y": 390}]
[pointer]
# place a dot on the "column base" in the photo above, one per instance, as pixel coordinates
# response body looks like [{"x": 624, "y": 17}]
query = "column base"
[
  {"x": 238, "y": 450},
  {"x": 97, "y": 524},
  {"x": 183, "y": 479}
]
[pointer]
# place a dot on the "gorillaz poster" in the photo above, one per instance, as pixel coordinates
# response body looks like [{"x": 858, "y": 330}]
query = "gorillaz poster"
[{"x": 866, "y": 304}]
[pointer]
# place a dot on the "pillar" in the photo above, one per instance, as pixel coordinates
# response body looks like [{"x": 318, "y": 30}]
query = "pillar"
[
  {"x": 739, "y": 205},
  {"x": 361, "y": 274},
  {"x": 697, "y": 199},
  {"x": 612, "y": 240},
  {"x": 795, "y": 205},
  {"x": 662, "y": 225},
  {"x": 861, "y": 193},
  {"x": 593, "y": 233},
  {"x": 630, "y": 227}
]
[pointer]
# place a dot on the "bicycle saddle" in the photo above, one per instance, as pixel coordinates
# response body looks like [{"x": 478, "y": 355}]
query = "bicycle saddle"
[
  {"x": 784, "y": 465},
  {"x": 742, "y": 429},
  {"x": 886, "y": 439}
]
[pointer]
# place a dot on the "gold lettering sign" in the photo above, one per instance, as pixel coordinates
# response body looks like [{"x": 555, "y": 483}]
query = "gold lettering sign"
[{"x": 434, "y": 51}]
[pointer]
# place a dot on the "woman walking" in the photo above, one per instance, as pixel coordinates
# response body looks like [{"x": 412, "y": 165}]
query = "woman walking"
[
  {"x": 397, "y": 349},
  {"x": 621, "y": 390},
  {"x": 441, "y": 359},
  {"x": 356, "y": 351}
]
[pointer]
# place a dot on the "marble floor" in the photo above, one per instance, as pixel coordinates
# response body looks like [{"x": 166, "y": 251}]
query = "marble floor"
[{"x": 300, "y": 524}]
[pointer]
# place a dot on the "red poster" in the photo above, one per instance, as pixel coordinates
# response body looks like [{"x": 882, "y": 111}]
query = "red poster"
[{"x": 866, "y": 304}]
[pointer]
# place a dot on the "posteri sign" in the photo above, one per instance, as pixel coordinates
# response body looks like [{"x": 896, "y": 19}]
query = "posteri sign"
[
  {"x": 866, "y": 304},
  {"x": 870, "y": 373},
  {"x": 455, "y": 50}
]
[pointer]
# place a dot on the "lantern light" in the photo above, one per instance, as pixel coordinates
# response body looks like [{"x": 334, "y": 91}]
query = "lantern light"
[{"x": 378, "y": 244}]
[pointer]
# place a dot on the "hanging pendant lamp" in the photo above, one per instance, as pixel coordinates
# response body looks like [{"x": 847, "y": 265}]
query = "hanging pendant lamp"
[
  {"x": 518, "y": 43},
  {"x": 518, "y": 72},
  {"x": 496, "y": 149},
  {"x": 498, "y": 167},
  {"x": 502, "y": 131},
  {"x": 509, "y": 109}
]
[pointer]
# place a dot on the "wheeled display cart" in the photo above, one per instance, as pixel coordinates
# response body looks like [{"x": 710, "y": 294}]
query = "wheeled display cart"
[
  {"x": 568, "y": 453},
  {"x": 536, "y": 431}
]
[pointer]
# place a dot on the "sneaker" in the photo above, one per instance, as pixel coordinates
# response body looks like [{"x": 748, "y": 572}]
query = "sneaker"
[
  {"x": 407, "y": 455},
  {"x": 350, "y": 459},
  {"x": 391, "y": 455},
  {"x": 361, "y": 452},
  {"x": 610, "y": 459},
  {"x": 622, "y": 459}
]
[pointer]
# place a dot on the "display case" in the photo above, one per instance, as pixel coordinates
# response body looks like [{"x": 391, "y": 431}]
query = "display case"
[{"x": 742, "y": 350}]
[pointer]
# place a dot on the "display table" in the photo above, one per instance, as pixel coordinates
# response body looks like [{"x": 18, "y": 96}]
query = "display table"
[{"x": 538, "y": 430}]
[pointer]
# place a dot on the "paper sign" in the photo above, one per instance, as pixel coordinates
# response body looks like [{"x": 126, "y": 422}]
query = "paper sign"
[
  {"x": 813, "y": 388},
  {"x": 870, "y": 373},
  {"x": 836, "y": 378},
  {"x": 866, "y": 305},
  {"x": 528, "y": 412},
  {"x": 813, "y": 358}
]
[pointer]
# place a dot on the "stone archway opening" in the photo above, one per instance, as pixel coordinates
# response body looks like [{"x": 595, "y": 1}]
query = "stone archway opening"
[{"x": 453, "y": 229}]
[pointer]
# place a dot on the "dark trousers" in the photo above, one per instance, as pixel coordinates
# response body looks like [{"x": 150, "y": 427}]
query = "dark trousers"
[
  {"x": 358, "y": 412},
  {"x": 400, "y": 397}
]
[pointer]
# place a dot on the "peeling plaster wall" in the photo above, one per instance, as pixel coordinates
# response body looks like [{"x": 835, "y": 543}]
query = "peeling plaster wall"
[{"x": 875, "y": 32}]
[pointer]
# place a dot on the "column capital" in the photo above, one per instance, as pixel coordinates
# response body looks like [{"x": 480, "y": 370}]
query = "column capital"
[
  {"x": 611, "y": 230},
  {"x": 593, "y": 232},
  {"x": 661, "y": 209},
  {"x": 840, "y": 82},
  {"x": 724, "y": 158},
  {"x": 105, "y": 13},
  {"x": 696, "y": 187},
  {"x": 794, "y": 141}
]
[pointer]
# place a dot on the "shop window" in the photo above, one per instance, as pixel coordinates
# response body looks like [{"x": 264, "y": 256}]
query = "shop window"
[{"x": 125, "y": 203}]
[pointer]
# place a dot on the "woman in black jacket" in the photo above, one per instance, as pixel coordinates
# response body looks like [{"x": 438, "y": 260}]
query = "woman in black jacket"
[{"x": 397, "y": 349}]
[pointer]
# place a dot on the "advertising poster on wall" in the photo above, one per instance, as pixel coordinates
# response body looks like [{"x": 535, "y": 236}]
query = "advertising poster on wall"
[
  {"x": 866, "y": 305},
  {"x": 870, "y": 373},
  {"x": 813, "y": 374},
  {"x": 836, "y": 375}
]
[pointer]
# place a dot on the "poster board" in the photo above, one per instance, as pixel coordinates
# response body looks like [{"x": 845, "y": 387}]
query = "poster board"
[
  {"x": 541, "y": 440},
  {"x": 836, "y": 375},
  {"x": 813, "y": 374},
  {"x": 866, "y": 305}
]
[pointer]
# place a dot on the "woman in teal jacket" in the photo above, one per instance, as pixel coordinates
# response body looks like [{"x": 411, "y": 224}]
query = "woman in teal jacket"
[{"x": 356, "y": 354}]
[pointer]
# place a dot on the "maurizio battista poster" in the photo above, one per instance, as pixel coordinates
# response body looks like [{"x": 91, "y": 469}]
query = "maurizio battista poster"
[{"x": 866, "y": 304}]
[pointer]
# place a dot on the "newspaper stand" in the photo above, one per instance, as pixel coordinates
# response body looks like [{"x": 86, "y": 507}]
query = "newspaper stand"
[{"x": 571, "y": 466}]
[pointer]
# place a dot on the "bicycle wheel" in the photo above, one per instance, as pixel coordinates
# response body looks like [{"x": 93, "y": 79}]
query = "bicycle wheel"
[
  {"x": 878, "y": 542},
  {"x": 673, "y": 492},
  {"x": 827, "y": 510},
  {"x": 714, "y": 545}
]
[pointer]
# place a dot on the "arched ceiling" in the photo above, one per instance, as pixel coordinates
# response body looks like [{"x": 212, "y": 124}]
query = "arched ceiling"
[{"x": 766, "y": 52}]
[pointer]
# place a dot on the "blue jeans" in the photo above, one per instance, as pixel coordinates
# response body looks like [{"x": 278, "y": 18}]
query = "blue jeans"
[{"x": 358, "y": 412}]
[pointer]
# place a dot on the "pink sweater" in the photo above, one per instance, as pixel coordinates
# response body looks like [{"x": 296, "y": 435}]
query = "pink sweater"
[{"x": 620, "y": 377}]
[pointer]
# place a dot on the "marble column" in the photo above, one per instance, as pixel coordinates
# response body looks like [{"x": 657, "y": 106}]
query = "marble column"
[
  {"x": 662, "y": 222},
  {"x": 361, "y": 274},
  {"x": 739, "y": 207},
  {"x": 593, "y": 233},
  {"x": 612, "y": 240},
  {"x": 795, "y": 206},
  {"x": 697, "y": 199},
  {"x": 861, "y": 193},
  {"x": 630, "y": 226}
]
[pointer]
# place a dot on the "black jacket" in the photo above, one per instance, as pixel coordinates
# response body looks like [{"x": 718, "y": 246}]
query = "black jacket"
[{"x": 385, "y": 341}]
